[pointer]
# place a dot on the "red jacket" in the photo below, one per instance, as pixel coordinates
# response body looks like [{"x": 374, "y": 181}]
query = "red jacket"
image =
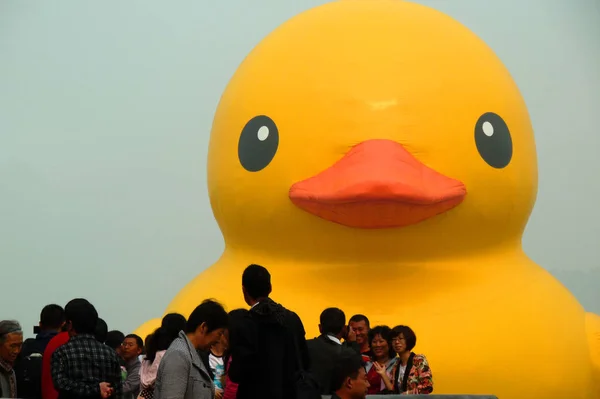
[{"x": 48, "y": 391}]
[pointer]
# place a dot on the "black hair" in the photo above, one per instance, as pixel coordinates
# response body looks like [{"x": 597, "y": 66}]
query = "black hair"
[
  {"x": 332, "y": 321},
  {"x": 346, "y": 365},
  {"x": 360, "y": 317},
  {"x": 138, "y": 340},
  {"x": 209, "y": 312},
  {"x": 101, "y": 330},
  {"x": 257, "y": 281},
  {"x": 235, "y": 319},
  {"x": 386, "y": 333},
  {"x": 52, "y": 317},
  {"x": 82, "y": 315},
  {"x": 159, "y": 340},
  {"x": 174, "y": 323},
  {"x": 114, "y": 338},
  {"x": 407, "y": 333}
]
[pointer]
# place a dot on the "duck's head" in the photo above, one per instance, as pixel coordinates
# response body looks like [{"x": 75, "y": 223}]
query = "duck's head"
[{"x": 363, "y": 128}]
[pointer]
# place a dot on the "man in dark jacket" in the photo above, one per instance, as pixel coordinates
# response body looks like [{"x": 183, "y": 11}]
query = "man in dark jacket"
[
  {"x": 28, "y": 367},
  {"x": 324, "y": 349},
  {"x": 265, "y": 343}
]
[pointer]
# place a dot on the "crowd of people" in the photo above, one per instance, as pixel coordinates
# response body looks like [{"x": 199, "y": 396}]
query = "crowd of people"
[{"x": 260, "y": 352}]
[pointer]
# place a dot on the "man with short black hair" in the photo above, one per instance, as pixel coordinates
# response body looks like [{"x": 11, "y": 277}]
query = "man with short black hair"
[
  {"x": 84, "y": 367},
  {"x": 324, "y": 349},
  {"x": 360, "y": 325},
  {"x": 265, "y": 344},
  {"x": 349, "y": 378},
  {"x": 11, "y": 341},
  {"x": 131, "y": 348},
  {"x": 28, "y": 367},
  {"x": 181, "y": 373}
]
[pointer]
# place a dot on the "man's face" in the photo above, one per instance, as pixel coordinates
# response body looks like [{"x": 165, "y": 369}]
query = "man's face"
[
  {"x": 10, "y": 347},
  {"x": 361, "y": 330},
  {"x": 207, "y": 339},
  {"x": 130, "y": 349},
  {"x": 359, "y": 386}
]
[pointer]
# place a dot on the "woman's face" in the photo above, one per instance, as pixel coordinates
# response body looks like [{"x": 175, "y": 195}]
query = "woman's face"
[
  {"x": 399, "y": 344},
  {"x": 380, "y": 347}
]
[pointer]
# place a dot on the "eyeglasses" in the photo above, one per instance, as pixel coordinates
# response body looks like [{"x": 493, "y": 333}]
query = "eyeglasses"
[{"x": 397, "y": 339}]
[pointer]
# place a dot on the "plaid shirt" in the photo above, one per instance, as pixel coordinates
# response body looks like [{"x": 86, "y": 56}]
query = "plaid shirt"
[{"x": 79, "y": 366}]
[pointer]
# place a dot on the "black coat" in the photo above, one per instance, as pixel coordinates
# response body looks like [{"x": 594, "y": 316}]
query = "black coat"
[
  {"x": 323, "y": 352},
  {"x": 263, "y": 352}
]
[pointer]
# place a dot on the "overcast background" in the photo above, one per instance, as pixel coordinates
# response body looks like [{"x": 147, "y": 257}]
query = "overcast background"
[{"x": 105, "y": 114}]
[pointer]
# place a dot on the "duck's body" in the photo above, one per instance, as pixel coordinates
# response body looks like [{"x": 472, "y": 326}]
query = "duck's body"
[
  {"x": 376, "y": 156},
  {"x": 483, "y": 332}
]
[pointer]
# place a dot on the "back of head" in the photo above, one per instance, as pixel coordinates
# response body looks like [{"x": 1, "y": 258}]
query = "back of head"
[
  {"x": 256, "y": 281},
  {"x": 82, "y": 315},
  {"x": 209, "y": 312},
  {"x": 160, "y": 340},
  {"x": 101, "y": 332},
  {"x": 346, "y": 365},
  {"x": 114, "y": 339},
  {"x": 236, "y": 315},
  {"x": 333, "y": 321},
  {"x": 174, "y": 323},
  {"x": 52, "y": 317}
]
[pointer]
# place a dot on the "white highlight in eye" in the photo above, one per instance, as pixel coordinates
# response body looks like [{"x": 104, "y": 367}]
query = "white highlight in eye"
[
  {"x": 263, "y": 133},
  {"x": 488, "y": 129}
]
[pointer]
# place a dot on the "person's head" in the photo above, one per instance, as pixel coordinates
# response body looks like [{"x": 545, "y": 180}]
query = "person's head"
[
  {"x": 348, "y": 377},
  {"x": 333, "y": 321},
  {"x": 159, "y": 340},
  {"x": 380, "y": 341},
  {"x": 101, "y": 330},
  {"x": 52, "y": 318},
  {"x": 131, "y": 347},
  {"x": 11, "y": 340},
  {"x": 256, "y": 284},
  {"x": 81, "y": 316},
  {"x": 403, "y": 339},
  {"x": 360, "y": 324},
  {"x": 174, "y": 323},
  {"x": 114, "y": 339},
  {"x": 206, "y": 324}
]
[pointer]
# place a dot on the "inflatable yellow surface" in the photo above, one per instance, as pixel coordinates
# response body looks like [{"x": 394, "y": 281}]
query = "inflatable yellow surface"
[{"x": 376, "y": 155}]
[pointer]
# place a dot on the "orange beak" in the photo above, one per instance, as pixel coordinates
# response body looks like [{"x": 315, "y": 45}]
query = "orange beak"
[{"x": 377, "y": 184}]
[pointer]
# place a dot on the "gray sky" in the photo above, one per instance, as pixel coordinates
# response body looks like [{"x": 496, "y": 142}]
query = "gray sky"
[{"x": 105, "y": 114}]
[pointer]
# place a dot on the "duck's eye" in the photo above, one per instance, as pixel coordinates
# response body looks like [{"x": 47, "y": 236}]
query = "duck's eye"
[
  {"x": 493, "y": 140},
  {"x": 258, "y": 143}
]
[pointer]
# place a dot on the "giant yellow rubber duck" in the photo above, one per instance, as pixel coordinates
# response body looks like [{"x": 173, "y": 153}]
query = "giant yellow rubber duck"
[{"x": 377, "y": 156}]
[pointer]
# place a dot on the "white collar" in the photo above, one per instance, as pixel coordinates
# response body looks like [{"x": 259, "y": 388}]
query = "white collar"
[
  {"x": 334, "y": 339},
  {"x": 254, "y": 305}
]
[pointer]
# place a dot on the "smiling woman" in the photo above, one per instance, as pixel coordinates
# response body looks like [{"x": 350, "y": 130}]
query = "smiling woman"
[
  {"x": 11, "y": 340},
  {"x": 381, "y": 369}
]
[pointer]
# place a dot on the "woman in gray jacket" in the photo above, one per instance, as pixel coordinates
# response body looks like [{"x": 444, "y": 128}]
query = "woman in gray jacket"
[{"x": 181, "y": 374}]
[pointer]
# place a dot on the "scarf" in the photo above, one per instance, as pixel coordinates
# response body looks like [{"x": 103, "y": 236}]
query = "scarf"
[{"x": 7, "y": 370}]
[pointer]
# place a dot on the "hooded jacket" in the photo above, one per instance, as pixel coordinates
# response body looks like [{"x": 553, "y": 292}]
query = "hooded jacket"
[{"x": 264, "y": 354}]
